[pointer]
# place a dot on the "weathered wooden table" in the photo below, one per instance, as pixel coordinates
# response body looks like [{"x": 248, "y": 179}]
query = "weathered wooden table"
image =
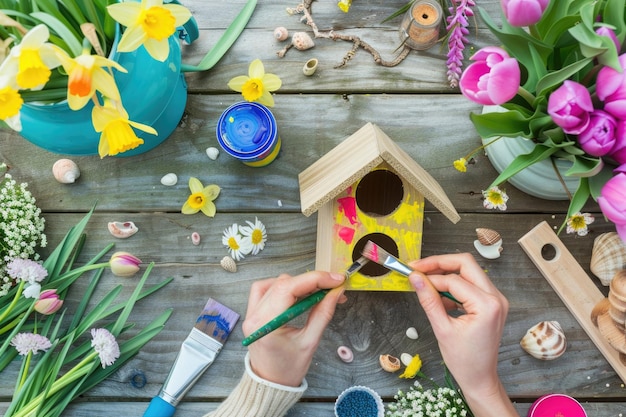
[{"x": 412, "y": 104}]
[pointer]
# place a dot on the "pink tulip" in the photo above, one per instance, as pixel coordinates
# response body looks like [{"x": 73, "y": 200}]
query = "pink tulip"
[
  {"x": 493, "y": 78},
  {"x": 124, "y": 264},
  {"x": 611, "y": 88},
  {"x": 523, "y": 12},
  {"x": 611, "y": 201},
  {"x": 618, "y": 153},
  {"x": 598, "y": 139},
  {"x": 48, "y": 302},
  {"x": 569, "y": 106},
  {"x": 609, "y": 33}
]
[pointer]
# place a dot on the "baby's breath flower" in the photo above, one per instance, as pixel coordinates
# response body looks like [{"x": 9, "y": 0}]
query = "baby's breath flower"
[
  {"x": 26, "y": 343},
  {"x": 105, "y": 344},
  {"x": 577, "y": 223},
  {"x": 495, "y": 198},
  {"x": 441, "y": 401}
]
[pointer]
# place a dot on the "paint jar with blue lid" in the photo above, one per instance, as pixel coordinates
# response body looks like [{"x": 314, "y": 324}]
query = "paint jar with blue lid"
[{"x": 248, "y": 132}]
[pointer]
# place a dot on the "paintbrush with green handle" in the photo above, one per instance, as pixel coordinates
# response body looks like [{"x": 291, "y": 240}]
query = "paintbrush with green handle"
[
  {"x": 375, "y": 253},
  {"x": 298, "y": 308}
]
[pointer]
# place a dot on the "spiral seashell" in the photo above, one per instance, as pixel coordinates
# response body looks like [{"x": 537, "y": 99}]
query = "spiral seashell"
[
  {"x": 228, "y": 264},
  {"x": 169, "y": 179},
  {"x": 488, "y": 237},
  {"x": 212, "y": 152},
  {"x": 122, "y": 230},
  {"x": 281, "y": 33},
  {"x": 389, "y": 363},
  {"x": 302, "y": 41},
  {"x": 195, "y": 238},
  {"x": 406, "y": 359},
  {"x": 345, "y": 354},
  {"x": 607, "y": 256},
  {"x": 545, "y": 340},
  {"x": 65, "y": 171},
  {"x": 411, "y": 333}
]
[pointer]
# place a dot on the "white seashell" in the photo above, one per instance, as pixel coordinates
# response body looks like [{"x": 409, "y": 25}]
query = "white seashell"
[
  {"x": 195, "y": 238},
  {"x": 65, "y": 171},
  {"x": 122, "y": 230},
  {"x": 489, "y": 243},
  {"x": 228, "y": 264},
  {"x": 389, "y": 363},
  {"x": 345, "y": 354},
  {"x": 281, "y": 33},
  {"x": 406, "y": 359},
  {"x": 212, "y": 153},
  {"x": 545, "y": 340},
  {"x": 310, "y": 66},
  {"x": 302, "y": 41},
  {"x": 608, "y": 256},
  {"x": 411, "y": 333},
  {"x": 169, "y": 179}
]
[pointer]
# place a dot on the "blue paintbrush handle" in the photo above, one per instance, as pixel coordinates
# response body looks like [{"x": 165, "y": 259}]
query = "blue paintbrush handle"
[
  {"x": 292, "y": 312},
  {"x": 158, "y": 407}
]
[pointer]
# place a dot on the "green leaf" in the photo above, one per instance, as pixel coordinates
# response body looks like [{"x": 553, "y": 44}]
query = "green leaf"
[
  {"x": 539, "y": 153},
  {"x": 73, "y": 42},
  {"x": 509, "y": 123},
  {"x": 597, "y": 181},
  {"x": 583, "y": 166},
  {"x": 579, "y": 199},
  {"x": 553, "y": 79},
  {"x": 225, "y": 41}
]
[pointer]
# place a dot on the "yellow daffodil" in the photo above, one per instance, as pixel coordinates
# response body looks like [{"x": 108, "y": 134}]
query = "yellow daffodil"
[
  {"x": 117, "y": 133},
  {"x": 461, "y": 165},
  {"x": 201, "y": 198},
  {"x": 344, "y": 5},
  {"x": 32, "y": 60},
  {"x": 86, "y": 75},
  {"x": 257, "y": 85},
  {"x": 10, "y": 104},
  {"x": 413, "y": 368},
  {"x": 149, "y": 23}
]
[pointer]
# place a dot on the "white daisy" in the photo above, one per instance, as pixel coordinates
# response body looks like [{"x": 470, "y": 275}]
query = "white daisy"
[
  {"x": 578, "y": 222},
  {"x": 237, "y": 246},
  {"x": 256, "y": 234}
]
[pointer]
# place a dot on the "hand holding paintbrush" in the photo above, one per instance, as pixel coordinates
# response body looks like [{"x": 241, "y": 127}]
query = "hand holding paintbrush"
[{"x": 375, "y": 253}]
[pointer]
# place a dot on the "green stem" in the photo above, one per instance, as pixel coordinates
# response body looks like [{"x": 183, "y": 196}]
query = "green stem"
[
  {"x": 526, "y": 95},
  {"x": 8, "y": 310},
  {"x": 534, "y": 32},
  {"x": 82, "y": 269},
  {"x": 25, "y": 371},
  {"x": 11, "y": 325}
]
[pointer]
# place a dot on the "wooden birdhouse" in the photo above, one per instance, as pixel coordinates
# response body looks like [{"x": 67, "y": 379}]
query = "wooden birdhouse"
[{"x": 368, "y": 188}]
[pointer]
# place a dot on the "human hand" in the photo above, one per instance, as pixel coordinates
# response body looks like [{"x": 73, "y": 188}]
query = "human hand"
[
  {"x": 469, "y": 342},
  {"x": 284, "y": 355}
]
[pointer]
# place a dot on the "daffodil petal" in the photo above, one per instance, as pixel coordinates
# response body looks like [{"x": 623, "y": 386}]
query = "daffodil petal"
[
  {"x": 271, "y": 82},
  {"x": 209, "y": 209},
  {"x": 195, "y": 185},
  {"x": 105, "y": 83},
  {"x": 35, "y": 37},
  {"x": 103, "y": 146},
  {"x": 187, "y": 209},
  {"x": 266, "y": 99},
  {"x": 180, "y": 13},
  {"x": 141, "y": 126},
  {"x": 211, "y": 191},
  {"x": 105, "y": 62},
  {"x": 132, "y": 39},
  {"x": 256, "y": 69},
  {"x": 237, "y": 83},
  {"x": 125, "y": 13},
  {"x": 78, "y": 102},
  {"x": 158, "y": 50}
]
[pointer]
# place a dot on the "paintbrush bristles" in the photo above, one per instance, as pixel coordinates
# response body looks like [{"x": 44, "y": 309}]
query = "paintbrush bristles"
[
  {"x": 375, "y": 253},
  {"x": 216, "y": 321}
]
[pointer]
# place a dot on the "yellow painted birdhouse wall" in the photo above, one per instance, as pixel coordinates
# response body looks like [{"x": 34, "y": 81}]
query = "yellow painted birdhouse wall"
[{"x": 367, "y": 188}]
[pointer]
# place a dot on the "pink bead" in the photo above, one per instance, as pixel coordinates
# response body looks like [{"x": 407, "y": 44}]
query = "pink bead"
[{"x": 345, "y": 354}]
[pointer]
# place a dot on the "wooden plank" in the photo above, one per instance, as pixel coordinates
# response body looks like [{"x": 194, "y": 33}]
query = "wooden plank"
[{"x": 572, "y": 284}]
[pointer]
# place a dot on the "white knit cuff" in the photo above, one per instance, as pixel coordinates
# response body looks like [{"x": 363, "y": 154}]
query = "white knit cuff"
[{"x": 274, "y": 385}]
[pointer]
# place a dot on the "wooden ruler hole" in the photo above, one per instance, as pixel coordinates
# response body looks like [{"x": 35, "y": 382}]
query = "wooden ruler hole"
[{"x": 549, "y": 252}]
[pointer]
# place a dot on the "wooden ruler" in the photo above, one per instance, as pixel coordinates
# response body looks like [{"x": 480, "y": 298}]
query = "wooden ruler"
[{"x": 572, "y": 284}]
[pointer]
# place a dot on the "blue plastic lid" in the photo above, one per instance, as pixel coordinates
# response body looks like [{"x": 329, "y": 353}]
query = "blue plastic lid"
[{"x": 246, "y": 130}]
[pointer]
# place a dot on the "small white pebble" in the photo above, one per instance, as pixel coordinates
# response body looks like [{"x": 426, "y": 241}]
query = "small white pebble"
[
  {"x": 406, "y": 359},
  {"x": 169, "y": 179},
  {"x": 280, "y": 203},
  {"x": 608, "y": 385},
  {"x": 588, "y": 377},
  {"x": 411, "y": 333},
  {"x": 212, "y": 153}
]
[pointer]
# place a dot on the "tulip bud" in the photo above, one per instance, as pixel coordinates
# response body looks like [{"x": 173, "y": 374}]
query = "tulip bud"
[
  {"x": 523, "y": 12},
  {"x": 611, "y": 202},
  {"x": 124, "y": 264},
  {"x": 48, "y": 302}
]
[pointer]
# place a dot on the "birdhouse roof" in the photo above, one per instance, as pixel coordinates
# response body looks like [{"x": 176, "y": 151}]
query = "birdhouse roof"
[{"x": 354, "y": 158}]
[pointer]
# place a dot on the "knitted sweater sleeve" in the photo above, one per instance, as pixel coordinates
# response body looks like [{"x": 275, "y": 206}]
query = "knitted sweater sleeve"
[{"x": 257, "y": 397}]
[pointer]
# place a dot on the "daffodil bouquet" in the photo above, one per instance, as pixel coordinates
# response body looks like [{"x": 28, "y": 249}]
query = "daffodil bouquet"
[
  {"x": 55, "y": 50},
  {"x": 559, "y": 79}
]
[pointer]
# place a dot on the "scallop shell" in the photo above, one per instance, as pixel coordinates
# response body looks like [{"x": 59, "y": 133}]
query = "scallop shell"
[
  {"x": 228, "y": 264},
  {"x": 65, "y": 171},
  {"x": 488, "y": 237},
  {"x": 212, "y": 152},
  {"x": 302, "y": 41},
  {"x": 345, "y": 354},
  {"x": 411, "y": 333},
  {"x": 389, "y": 363},
  {"x": 122, "y": 230},
  {"x": 169, "y": 179},
  {"x": 195, "y": 238},
  {"x": 607, "y": 256},
  {"x": 545, "y": 340},
  {"x": 617, "y": 287},
  {"x": 281, "y": 33}
]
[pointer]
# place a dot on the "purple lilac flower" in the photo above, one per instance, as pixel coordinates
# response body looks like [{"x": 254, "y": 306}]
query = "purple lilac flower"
[{"x": 457, "y": 30}]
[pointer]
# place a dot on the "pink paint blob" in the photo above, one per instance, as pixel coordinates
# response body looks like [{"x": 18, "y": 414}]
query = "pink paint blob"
[
  {"x": 348, "y": 206},
  {"x": 556, "y": 405},
  {"x": 346, "y": 234},
  {"x": 372, "y": 252}
]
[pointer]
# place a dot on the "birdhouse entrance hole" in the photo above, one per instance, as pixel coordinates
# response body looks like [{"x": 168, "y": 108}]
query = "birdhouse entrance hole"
[
  {"x": 372, "y": 269},
  {"x": 379, "y": 193}
]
